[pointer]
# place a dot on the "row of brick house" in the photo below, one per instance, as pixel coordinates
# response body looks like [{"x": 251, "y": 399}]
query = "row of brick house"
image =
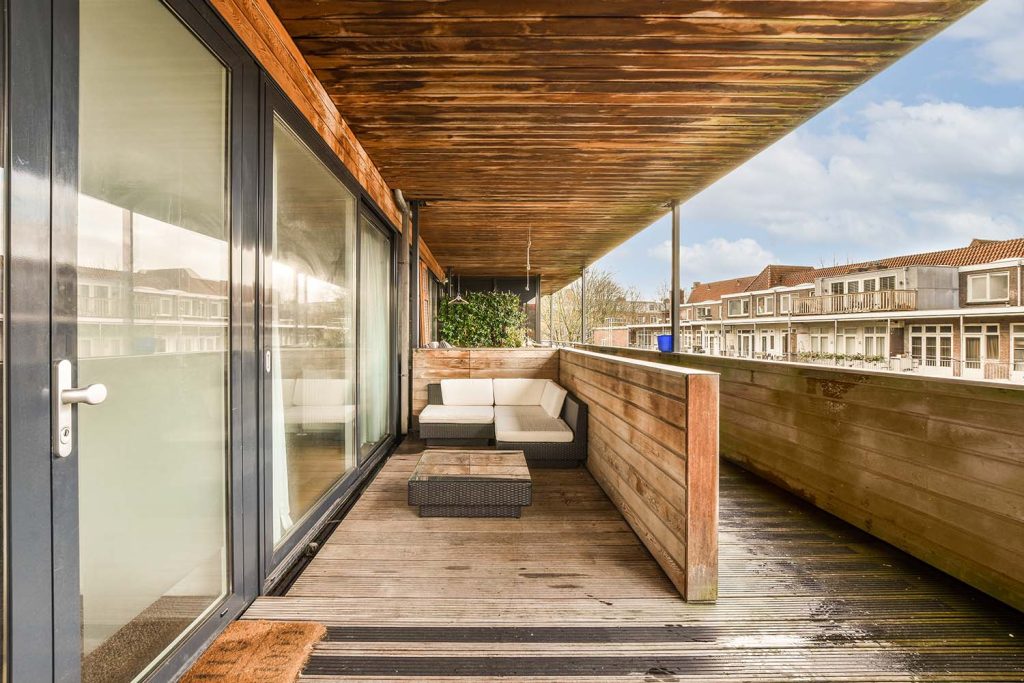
[{"x": 957, "y": 313}]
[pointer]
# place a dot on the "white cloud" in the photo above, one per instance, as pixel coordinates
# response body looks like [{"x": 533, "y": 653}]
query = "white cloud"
[
  {"x": 996, "y": 32},
  {"x": 717, "y": 258},
  {"x": 908, "y": 177}
]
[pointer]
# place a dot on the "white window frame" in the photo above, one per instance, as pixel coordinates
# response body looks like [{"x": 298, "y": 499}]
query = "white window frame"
[
  {"x": 837, "y": 288},
  {"x": 820, "y": 340},
  {"x": 785, "y": 303},
  {"x": 766, "y": 304},
  {"x": 972, "y": 288},
  {"x": 884, "y": 280},
  {"x": 744, "y": 305},
  {"x": 1017, "y": 340},
  {"x": 853, "y": 287}
]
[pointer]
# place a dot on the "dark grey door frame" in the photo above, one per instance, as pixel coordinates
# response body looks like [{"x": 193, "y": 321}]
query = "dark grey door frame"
[{"x": 28, "y": 553}]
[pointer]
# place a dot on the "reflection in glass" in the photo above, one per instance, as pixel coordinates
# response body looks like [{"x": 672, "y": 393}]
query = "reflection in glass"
[
  {"x": 312, "y": 330},
  {"x": 153, "y": 307},
  {"x": 374, "y": 335}
]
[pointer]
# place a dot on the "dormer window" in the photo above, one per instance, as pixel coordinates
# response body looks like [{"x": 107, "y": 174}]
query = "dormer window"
[{"x": 988, "y": 287}]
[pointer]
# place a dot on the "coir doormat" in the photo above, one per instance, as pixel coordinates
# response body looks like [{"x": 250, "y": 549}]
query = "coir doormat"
[{"x": 257, "y": 652}]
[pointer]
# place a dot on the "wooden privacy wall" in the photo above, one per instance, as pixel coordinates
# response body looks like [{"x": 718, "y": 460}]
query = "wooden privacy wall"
[
  {"x": 432, "y": 365},
  {"x": 934, "y": 466},
  {"x": 654, "y": 450}
]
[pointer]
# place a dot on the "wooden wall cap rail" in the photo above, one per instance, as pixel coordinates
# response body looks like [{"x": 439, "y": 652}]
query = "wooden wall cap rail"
[{"x": 645, "y": 364}]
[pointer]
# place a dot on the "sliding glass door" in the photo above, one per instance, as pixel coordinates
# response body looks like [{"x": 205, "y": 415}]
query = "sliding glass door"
[
  {"x": 310, "y": 315},
  {"x": 375, "y": 336},
  {"x": 153, "y": 309}
]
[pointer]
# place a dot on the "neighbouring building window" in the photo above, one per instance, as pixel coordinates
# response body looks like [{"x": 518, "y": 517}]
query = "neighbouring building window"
[
  {"x": 739, "y": 307},
  {"x": 988, "y": 287},
  {"x": 710, "y": 342},
  {"x": 847, "y": 341},
  {"x": 875, "y": 341},
  {"x": 785, "y": 303},
  {"x": 932, "y": 345},
  {"x": 766, "y": 304},
  {"x": 837, "y": 287},
  {"x": 981, "y": 345},
  {"x": 819, "y": 340},
  {"x": 745, "y": 339},
  {"x": 703, "y": 313},
  {"x": 887, "y": 283},
  {"x": 1018, "y": 348},
  {"x": 870, "y": 285},
  {"x": 852, "y": 287}
]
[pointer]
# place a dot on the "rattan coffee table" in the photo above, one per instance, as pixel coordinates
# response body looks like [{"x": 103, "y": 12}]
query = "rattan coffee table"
[{"x": 470, "y": 483}]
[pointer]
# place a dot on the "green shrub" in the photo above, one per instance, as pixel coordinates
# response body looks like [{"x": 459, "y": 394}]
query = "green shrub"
[{"x": 488, "y": 319}]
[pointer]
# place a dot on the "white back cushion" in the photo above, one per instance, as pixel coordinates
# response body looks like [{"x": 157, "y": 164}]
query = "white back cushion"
[
  {"x": 321, "y": 392},
  {"x": 467, "y": 392},
  {"x": 552, "y": 400},
  {"x": 519, "y": 392}
]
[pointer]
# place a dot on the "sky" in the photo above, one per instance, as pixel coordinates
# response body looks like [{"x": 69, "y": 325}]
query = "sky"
[{"x": 927, "y": 155}]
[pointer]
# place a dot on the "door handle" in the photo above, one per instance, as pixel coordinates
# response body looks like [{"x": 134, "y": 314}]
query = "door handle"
[
  {"x": 65, "y": 396},
  {"x": 94, "y": 394}
]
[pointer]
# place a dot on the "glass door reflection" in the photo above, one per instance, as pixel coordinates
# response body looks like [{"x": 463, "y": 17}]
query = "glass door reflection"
[{"x": 312, "y": 330}]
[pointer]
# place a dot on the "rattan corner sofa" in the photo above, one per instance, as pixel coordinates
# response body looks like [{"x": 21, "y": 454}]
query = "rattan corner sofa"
[{"x": 536, "y": 416}]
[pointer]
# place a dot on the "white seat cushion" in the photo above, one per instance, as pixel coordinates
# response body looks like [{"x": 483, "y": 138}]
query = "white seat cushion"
[
  {"x": 529, "y": 424},
  {"x": 467, "y": 392},
  {"x": 519, "y": 392},
  {"x": 552, "y": 400},
  {"x": 457, "y": 414},
  {"x": 328, "y": 416}
]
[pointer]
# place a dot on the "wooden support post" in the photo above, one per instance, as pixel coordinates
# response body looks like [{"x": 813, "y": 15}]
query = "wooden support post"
[{"x": 701, "y": 488}]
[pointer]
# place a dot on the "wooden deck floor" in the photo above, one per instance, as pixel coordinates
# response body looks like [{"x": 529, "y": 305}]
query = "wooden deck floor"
[{"x": 569, "y": 593}]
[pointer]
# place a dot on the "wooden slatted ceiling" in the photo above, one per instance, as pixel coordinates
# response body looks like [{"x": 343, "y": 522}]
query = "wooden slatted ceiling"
[{"x": 582, "y": 120}]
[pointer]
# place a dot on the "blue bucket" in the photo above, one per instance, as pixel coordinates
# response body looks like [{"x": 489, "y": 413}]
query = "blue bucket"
[{"x": 665, "y": 343}]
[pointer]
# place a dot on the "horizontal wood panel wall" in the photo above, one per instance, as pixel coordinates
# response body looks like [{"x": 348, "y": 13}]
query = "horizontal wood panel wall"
[
  {"x": 654, "y": 450},
  {"x": 933, "y": 466},
  {"x": 257, "y": 26},
  {"x": 430, "y": 366}
]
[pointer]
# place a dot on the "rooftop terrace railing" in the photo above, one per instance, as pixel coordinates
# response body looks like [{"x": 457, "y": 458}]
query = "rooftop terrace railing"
[{"x": 857, "y": 302}]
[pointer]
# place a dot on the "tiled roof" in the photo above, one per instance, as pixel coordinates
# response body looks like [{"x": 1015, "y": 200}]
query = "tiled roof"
[
  {"x": 713, "y": 291},
  {"x": 775, "y": 275},
  {"x": 978, "y": 251}
]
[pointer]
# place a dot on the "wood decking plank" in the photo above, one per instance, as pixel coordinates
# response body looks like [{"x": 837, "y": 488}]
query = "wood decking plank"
[{"x": 557, "y": 596}]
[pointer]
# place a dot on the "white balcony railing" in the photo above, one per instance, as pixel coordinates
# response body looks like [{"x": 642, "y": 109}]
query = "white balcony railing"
[{"x": 858, "y": 302}]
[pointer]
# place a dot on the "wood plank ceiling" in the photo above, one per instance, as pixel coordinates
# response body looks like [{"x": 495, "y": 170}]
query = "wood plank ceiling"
[{"x": 579, "y": 121}]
